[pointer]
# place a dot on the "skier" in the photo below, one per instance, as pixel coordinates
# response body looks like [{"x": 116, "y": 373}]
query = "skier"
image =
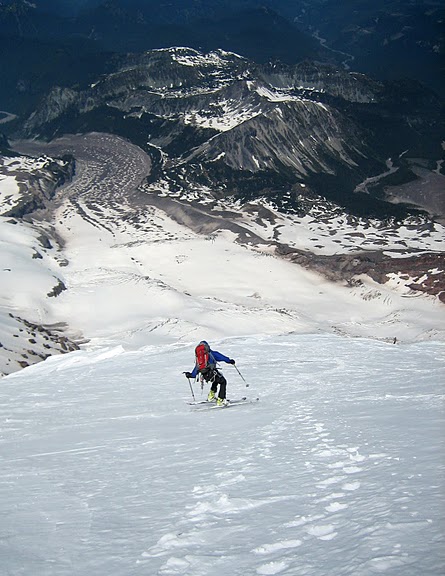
[{"x": 205, "y": 365}]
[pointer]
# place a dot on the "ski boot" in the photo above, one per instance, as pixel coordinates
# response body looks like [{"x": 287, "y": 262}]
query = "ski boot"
[
  {"x": 221, "y": 402},
  {"x": 211, "y": 396}
]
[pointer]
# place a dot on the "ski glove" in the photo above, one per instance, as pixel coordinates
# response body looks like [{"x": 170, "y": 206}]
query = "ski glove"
[
  {"x": 231, "y": 361},
  {"x": 188, "y": 374}
]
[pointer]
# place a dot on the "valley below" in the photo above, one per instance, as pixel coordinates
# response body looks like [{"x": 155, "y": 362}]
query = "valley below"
[{"x": 138, "y": 265}]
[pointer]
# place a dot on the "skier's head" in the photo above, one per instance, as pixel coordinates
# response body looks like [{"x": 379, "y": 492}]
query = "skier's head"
[{"x": 205, "y": 343}]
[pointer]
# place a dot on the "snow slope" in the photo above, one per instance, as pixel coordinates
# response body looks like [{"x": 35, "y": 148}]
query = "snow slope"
[
  {"x": 181, "y": 286},
  {"x": 338, "y": 469}
]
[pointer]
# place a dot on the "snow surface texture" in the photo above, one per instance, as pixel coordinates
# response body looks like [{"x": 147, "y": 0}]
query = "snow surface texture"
[{"x": 338, "y": 469}]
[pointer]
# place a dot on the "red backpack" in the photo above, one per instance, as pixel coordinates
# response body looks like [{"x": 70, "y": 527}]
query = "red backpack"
[{"x": 202, "y": 355}]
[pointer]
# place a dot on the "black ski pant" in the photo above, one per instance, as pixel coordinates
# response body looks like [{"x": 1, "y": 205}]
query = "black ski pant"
[{"x": 216, "y": 379}]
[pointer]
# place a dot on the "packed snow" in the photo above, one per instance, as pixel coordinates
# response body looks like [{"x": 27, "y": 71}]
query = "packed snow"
[{"x": 337, "y": 469}]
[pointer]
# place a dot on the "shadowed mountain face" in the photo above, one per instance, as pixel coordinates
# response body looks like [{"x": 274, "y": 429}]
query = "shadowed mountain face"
[
  {"x": 245, "y": 130},
  {"x": 389, "y": 39},
  {"x": 42, "y": 45},
  {"x": 269, "y": 123},
  {"x": 48, "y": 42}
]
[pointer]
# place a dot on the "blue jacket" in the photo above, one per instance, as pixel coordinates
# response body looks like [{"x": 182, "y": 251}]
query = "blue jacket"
[{"x": 214, "y": 357}]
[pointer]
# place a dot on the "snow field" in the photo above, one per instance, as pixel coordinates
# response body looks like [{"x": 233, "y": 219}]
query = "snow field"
[
  {"x": 169, "y": 283},
  {"x": 28, "y": 274},
  {"x": 336, "y": 470}
]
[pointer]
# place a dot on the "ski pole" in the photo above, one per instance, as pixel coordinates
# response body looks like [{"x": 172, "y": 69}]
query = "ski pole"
[
  {"x": 247, "y": 385},
  {"x": 191, "y": 389}
]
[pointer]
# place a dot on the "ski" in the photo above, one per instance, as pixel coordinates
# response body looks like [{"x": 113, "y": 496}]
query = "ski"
[{"x": 204, "y": 404}]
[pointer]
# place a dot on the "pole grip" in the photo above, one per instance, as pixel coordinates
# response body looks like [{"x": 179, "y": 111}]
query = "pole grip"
[{"x": 191, "y": 388}]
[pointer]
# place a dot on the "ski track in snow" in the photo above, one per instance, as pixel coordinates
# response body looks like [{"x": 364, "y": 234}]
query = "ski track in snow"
[
  {"x": 329, "y": 482},
  {"x": 106, "y": 470}
]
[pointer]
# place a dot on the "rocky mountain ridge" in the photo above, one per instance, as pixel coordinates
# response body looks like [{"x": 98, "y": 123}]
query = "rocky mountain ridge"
[{"x": 218, "y": 120}]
